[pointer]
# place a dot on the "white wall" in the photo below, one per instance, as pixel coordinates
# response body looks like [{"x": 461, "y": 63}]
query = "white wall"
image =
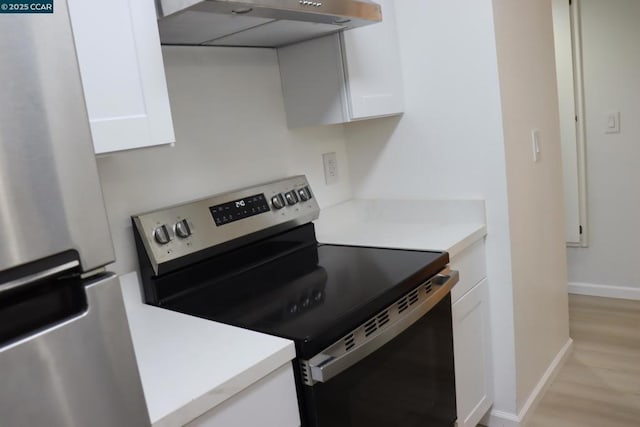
[
  {"x": 231, "y": 132},
  {"x": 473, "y": 93},
  {"x": 449, "y": 143},
  {"x": 526, "y": 64},
  {"x": 611, "y": 67}
]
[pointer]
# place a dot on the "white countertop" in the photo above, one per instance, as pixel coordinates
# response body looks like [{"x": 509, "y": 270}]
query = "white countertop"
[
  {"x": 189, "y": 365},
  {"x": 442, "y": 225}
]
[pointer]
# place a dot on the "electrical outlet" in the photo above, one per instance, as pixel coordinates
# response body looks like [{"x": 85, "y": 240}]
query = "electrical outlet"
[{"x": 330, "y": 161}]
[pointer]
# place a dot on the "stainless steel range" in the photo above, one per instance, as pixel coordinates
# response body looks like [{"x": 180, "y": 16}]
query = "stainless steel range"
[{"x": 372, "y": 326}]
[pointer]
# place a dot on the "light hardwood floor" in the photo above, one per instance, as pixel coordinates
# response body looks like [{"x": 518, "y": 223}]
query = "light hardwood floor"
[{"x": 599, "y": 385}]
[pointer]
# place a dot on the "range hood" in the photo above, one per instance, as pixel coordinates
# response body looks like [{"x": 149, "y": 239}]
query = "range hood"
[{"x": 259, "y": 23}]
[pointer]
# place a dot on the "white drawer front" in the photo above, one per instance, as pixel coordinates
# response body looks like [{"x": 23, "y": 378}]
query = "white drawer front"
[{"x": 472, "y": 266}]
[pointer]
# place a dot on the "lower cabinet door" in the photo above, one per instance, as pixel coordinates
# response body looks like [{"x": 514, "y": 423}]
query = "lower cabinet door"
[
  {"x": 471, "y": 344},
  {"x": 270, "y": 402}
]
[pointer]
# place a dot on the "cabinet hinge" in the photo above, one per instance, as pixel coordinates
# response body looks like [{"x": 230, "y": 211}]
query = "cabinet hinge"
[
  {"x": 581, "y": 230},
  {"x": 576, "y": 119}
]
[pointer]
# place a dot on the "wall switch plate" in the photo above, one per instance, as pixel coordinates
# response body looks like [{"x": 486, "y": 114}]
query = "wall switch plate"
[
  {"x": 535, "y": 144},
  {"x": 612, "y": 124},
  {"x": 330, "y": 161}
]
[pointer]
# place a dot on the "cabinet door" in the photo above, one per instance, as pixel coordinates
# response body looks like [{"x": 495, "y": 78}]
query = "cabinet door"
[
  {"x": 471, "y": 351},
  {"x": 343, "y": 77},
  {"x": 373, "y": 71},
  {"x": 122, "y": 73},
  {"x": 270, "y": 402},
  {"x": 313, "y": 86}
]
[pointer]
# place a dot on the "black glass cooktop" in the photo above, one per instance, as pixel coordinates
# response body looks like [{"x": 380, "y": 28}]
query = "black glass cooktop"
[{"x": 312, "y": 294}]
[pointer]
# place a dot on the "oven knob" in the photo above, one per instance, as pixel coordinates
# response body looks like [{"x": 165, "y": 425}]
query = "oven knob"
[
  {"x": 304, "y": 195},
  {"x": 183, "y": 229},
  {"x": 161, "y": 235},
  {"x": 277, "y": 201},
  {"x": 291, "y": 197}
]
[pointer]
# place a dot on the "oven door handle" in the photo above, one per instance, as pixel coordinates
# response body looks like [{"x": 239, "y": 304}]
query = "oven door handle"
[{"x": 325, "y": 366}]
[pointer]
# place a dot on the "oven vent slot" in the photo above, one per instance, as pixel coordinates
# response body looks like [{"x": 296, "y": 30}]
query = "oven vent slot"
[
  {"x": 383, "y": 318},
  {"x": 370, "y": 327},
  {"x": 428, "y": 288},
  {"x": 413, "y": 297},
  {"x": 377, "y": 322},
  {"x": 305, "y": 372},
  {"x": 349, "y": 342},
  {"x": 403, "y": 304}
]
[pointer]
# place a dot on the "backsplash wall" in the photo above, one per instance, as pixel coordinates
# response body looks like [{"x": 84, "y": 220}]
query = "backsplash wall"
[{"x": 231, "y": 132}]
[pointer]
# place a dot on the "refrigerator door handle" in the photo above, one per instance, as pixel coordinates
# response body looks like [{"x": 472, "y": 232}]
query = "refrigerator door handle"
[{"x": 41, "y": 275}]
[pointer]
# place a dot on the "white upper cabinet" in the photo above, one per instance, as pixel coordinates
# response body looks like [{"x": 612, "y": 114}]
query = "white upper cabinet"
[
  {"x": 374, "y": 76},
  {"x": 344, "y": 77},
  {"x": 122, "y": 73}
]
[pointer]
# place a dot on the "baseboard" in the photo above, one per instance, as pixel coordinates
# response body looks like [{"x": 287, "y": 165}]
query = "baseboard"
[
  {"x": 620, "y": 292},
  {"x": 545, "y": 382},
  {"x": 498, "y": 418}
]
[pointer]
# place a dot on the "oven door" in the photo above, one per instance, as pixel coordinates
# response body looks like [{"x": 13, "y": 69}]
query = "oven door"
[{"x": 401, "y": 374}]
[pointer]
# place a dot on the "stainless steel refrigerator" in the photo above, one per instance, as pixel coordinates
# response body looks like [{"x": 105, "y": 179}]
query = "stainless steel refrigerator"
[{"x": 66, "y": 357}]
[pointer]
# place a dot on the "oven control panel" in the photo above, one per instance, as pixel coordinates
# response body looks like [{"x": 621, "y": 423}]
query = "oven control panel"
[{"x": 236, "y": 217}]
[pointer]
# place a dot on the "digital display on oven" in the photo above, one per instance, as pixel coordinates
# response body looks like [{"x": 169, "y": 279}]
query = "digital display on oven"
[{"x": 226, "y": 213}]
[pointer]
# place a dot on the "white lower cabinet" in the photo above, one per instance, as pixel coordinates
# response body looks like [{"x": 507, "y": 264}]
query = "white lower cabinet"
[
  {"x": 471, "y": 337},
  {"x": 471, "y": 349},
  {"x": 122, "y": 72},
  {"x": 270, "y": 402}
]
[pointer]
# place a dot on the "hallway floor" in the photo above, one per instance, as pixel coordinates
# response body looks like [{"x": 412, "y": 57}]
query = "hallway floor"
[{"x": 599, "y": 385}]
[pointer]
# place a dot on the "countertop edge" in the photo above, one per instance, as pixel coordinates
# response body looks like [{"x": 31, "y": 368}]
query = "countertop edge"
[
  {"x": 145, "y": 321},
  {"x": 219, "y": 394},
  {"x": 453, "y": 245},
  {"x": 431, "y": 225},
  {"x": 467, "y": 242}
]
